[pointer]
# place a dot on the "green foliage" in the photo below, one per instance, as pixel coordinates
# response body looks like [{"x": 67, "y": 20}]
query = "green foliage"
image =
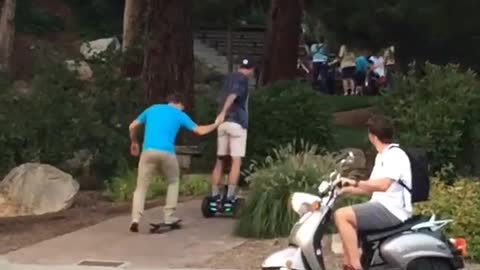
[
  {"x": 267, "y": 212},
  {"x": 437, "y": 111},
  {"x": 235, "y": 12},
  {"x": 345, "y": 103},
  {"x": 379, "y": 24},
  {"x": 121, "y": 188},
  {"x": 283, "y": 112},
  {"x": 62, "y": 115},
  {"x": 30, "y": 19},
  {"x": 461, "y": 203},
  {"x": 346, "y": 137},
  {"x": 98, "y": 18}
]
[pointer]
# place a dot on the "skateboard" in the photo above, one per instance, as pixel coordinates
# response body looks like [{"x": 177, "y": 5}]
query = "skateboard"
[{"x": 162, "y": 227}]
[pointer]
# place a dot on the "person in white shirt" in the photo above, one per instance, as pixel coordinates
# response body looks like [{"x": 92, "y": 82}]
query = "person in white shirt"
[
  {"x": 378, "y": 65},
  {"x": 390, "y": 204}
]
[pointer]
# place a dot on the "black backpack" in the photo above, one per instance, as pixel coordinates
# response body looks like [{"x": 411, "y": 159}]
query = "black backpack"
[{"x": 420, "y": 174}]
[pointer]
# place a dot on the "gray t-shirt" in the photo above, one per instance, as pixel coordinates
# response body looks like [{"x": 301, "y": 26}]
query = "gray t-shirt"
[{"x": 236, "y": 83}]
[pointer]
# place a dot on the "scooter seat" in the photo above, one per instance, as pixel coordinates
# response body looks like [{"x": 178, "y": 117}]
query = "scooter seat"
[{"x": 375, "y": 235}]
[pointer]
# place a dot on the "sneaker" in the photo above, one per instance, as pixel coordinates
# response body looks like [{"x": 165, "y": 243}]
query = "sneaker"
[{"x": 134, "y": 227}]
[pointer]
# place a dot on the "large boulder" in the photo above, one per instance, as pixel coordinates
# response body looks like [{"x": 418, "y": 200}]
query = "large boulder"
[
  {"x": 93, "y": 48},
  {"x": 37, "y": 189}
]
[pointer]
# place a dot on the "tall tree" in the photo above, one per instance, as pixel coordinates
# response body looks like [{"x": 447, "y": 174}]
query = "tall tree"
[
  {"x": 168, "y": 60},
  {"x": 282, "y": 40},
  {"x": 132, "y": 21},
  {"x": 7, "y": 33}
]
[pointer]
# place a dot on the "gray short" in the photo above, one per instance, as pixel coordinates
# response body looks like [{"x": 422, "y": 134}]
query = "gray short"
[{"x": 374, "y": 216}]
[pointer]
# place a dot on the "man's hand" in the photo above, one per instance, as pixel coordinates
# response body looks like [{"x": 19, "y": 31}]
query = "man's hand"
[
  {"x": 135, "y": 149},
  {"x": 347, "y": 182},
  {"x": 220, "y": 119}
]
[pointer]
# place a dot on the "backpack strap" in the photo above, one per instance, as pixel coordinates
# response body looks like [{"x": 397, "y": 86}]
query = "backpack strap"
[
  {"x": 405, "y": 186},
  {"x": 399, "y": 180}
]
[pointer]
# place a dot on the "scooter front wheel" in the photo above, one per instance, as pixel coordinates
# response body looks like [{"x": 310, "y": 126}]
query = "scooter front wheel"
[{"x": 430, "y": 264}]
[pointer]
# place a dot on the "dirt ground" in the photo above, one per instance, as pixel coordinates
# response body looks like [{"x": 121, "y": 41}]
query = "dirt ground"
[
  {"x": 354, "y": 118},
  {"x": 89, "y": 209}
]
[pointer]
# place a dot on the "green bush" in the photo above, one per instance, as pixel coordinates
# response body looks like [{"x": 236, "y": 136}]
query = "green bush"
[
  {"x": 461, "y": 203},
  {"x": 267, "y": 212},
  {"x": 62, "y": 115},
  {"x": 121, "y": 188},
  {"x": 29, "y": 19},
  {"x": 283, "y": 112},
  {"x": 345, "y": 103},
  {"x": 438, "y": 111}
]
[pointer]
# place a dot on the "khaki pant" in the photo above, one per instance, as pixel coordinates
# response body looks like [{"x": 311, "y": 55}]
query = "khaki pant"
[
  {"x": 231, "y": 140},
  {"x": 151, "y": 164}
]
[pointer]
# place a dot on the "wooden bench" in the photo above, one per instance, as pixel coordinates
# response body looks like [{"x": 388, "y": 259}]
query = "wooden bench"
[{"x": 185, "y": 154}]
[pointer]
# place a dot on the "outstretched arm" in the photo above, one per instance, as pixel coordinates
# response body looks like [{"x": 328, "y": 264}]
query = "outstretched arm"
[{"x": 188, "y": 123}]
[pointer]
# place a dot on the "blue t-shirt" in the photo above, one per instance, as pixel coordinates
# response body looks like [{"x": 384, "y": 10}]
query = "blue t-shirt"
[
  {"x": 361, "y": 64},
  {"x": 236, "y": 83},
  {"x": 162, "y": 123},
  {"x": 319, "y": 53}
]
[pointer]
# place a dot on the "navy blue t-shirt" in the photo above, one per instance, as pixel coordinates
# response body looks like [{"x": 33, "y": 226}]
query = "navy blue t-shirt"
[{"x": 236, "y": 83}]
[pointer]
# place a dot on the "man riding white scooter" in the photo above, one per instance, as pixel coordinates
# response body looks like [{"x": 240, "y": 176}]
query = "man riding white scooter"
[{"x": 389, "y": 184}]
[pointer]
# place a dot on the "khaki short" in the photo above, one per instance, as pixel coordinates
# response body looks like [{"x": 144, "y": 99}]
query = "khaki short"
[{"x": 232, "y": 140}]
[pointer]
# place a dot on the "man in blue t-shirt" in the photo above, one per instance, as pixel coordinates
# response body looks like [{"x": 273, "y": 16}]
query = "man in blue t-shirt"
[
  {"x": 162, "y": 123},
  {"x": 232, "y": 134}
]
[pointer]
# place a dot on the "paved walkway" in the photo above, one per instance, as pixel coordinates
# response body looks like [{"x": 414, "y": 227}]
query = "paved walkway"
[{"x": 110, "y": 241}]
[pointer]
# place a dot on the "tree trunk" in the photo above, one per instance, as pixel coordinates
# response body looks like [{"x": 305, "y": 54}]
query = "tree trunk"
[
  {"x": 282, "y": 41},
  {"x": 168, "y": 63},
  {"x": 132, "y": 22},
  {"x": 7, "y": 33}
]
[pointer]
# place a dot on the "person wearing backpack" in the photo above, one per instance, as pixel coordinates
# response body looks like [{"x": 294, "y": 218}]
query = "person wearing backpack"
[{"x": 390, "y": 184}]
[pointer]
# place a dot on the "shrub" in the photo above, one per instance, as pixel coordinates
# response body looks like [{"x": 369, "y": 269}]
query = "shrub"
[
  {"x": 267, "y": 212},
  {"x": 121, "y": 188},
  {"x": 283, "y": 112},
  {"x": 460, "y": 202},
  {"x": 32, "y": 20},
  {"x": 345, "y": 103},
  {"x": 437, "y": 111},
  {"x": 62, "y": 115}
]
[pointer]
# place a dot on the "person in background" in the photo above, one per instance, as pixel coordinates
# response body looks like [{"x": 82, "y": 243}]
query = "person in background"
[
  {"x": 390, "y": 65},
  {"x": 347, "y": 67},
  {"x": 319, "y": 56},
  {"x": 361, "y": 66}
]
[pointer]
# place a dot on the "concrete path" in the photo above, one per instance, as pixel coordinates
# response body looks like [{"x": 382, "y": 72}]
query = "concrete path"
[{"x": 111, "y": 241}]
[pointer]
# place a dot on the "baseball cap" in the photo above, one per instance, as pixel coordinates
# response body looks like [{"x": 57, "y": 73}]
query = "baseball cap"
[{"x": 246, "y": 63}]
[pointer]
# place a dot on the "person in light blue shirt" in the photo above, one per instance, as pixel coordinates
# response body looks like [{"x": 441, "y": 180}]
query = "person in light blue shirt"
[
  {"x": 318, "y": 52},
  {"x": 161, "y": 123}
]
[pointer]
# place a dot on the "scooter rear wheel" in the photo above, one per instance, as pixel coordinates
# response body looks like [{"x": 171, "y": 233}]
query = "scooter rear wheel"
[{"x": 430, "y": 264}]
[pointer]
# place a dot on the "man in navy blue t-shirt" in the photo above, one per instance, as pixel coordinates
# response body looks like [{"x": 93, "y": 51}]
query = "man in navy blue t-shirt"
[{"x": 232, "y": 133}]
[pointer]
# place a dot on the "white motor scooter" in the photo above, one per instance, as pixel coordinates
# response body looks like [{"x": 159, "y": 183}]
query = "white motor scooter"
[{"x": 416, "y": 244}]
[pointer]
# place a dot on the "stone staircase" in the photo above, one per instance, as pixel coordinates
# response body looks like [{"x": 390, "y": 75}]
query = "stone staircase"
[{"x": 210, "y": 57}]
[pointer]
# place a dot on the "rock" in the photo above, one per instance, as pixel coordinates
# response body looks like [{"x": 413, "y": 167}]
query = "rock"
[
  {"x": 38, "y": 189},
  {"x": 82, "y": 68},
  {"x": 22, "y": 87},
  {"x": 93, "y": 48}
]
